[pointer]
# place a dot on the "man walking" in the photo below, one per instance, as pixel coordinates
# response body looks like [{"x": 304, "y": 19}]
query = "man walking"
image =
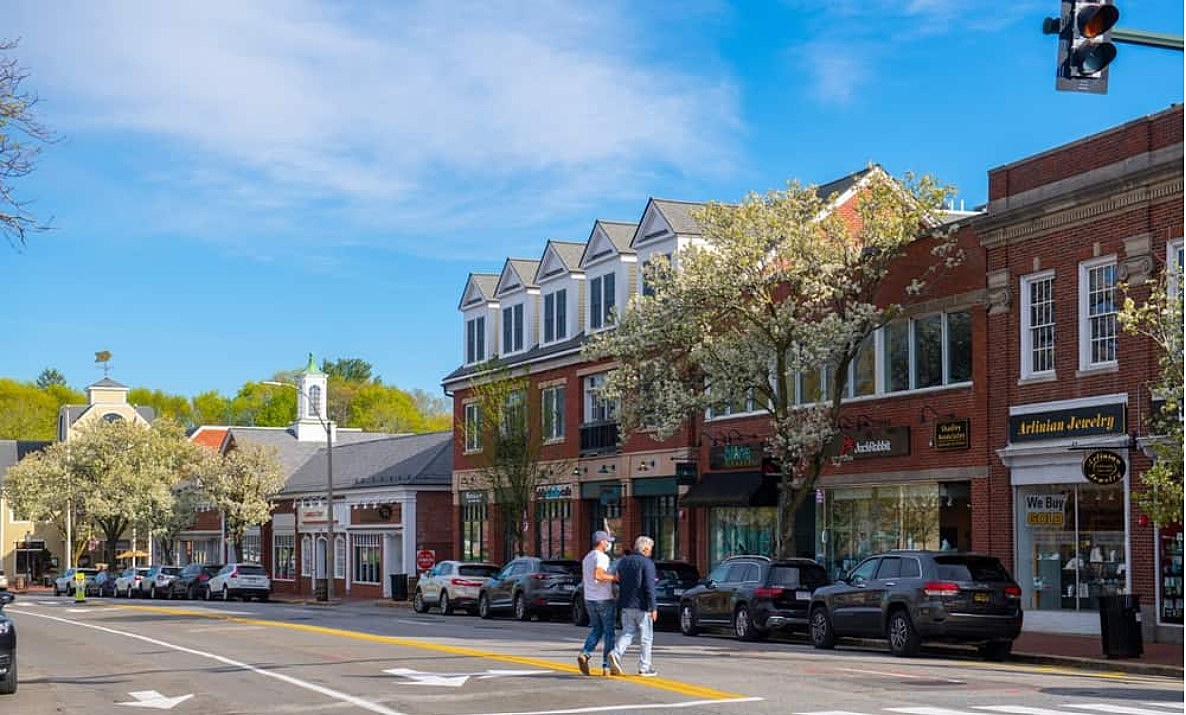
[
  {"x": 636, "y": 597},
  {"x": 599, "y": 601}
]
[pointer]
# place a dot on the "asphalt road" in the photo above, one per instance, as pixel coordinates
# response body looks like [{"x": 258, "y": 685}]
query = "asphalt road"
[{"x": 122, "y": 656}]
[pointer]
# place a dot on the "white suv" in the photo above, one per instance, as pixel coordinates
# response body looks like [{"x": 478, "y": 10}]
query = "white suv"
[
  {"x": 452, "y": 584},
  {"x": 239, "y": 580}
]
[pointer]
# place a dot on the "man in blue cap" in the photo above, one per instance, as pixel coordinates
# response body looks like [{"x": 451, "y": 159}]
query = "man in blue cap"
[{"x": 599, "y": 601}]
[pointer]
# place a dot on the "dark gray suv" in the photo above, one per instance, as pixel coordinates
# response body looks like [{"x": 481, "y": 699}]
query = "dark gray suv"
[{"x": 908, "y": 597}]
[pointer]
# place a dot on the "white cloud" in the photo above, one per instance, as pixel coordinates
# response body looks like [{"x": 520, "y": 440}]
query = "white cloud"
[{"x": 390, "y": 114}]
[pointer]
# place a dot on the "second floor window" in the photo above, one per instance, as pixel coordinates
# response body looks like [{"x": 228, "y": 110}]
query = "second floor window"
[
  {"x": 552, "y": 408},
  {"x": 512, "y": 329},
  {"x": 475, "y": 340},
  {"x": 556, "y": 316},
  {"x": 514, "y": 415},
  {"x": 597, "y": 408},
  {"x": 929, "y": 351},
  {"x": 1097, "y": 313},
  {"x": 1037, "y": 325},
  {"x": 473, "y": 427},
  {"x": 601, "y": 301}
]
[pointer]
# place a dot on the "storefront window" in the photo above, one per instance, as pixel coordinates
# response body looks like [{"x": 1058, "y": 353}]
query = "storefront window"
[
  {"x": 1170, "y": 583},
  {"x": 858, "y": 522},
  {"x": 741, "y": 530},
  {"x": 552, "y": 517},
  {"x": 607, "y": 512},
  {"x": 1070, "y": 541},
  {"x": 474, "y": 546},
  {"x": 659, "y": 519}
]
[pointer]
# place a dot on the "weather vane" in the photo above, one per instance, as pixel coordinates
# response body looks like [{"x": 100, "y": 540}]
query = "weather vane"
[{"x": 104, "y": 358}]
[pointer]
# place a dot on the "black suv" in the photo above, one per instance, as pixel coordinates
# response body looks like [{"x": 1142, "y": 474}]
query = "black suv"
[
  {"x": 908, "y": 597},
  {"x": 752, "y": 596},
  {"x": 191, "y": 581},
  {"x": 7, "y": 648},
  {"x": 530, "y": 585}
]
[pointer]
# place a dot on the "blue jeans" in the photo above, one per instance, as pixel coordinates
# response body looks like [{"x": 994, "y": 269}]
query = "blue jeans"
[
  {"x": 637, "y": 620},
  {"x": 601, "y": 620}
]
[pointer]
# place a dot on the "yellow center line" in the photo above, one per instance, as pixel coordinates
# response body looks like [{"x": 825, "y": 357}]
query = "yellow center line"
[{"x": 674, "y": 686}]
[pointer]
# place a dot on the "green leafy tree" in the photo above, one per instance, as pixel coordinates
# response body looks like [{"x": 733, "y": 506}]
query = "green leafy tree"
[
  {"x": 241, "y": 484},
  {"x": 44, "y": 487},
  {"x": 211, "y": 408},
  {"x": 380, "y": 408},
  {"x": 22, "y": 137},
  {"x": 175, "y": 408},
  {"x": 26, "y": 412},
  {"x": 263, "y": 405},
  {"x": 437, "y": 411},
  {"x": 350, "y": 370},
  {"x": 188, "y": 498},
  {"x": 50, "y": 376},
  {"x": 781, "y": 285},
  {"x": 1159, "y": 318}
]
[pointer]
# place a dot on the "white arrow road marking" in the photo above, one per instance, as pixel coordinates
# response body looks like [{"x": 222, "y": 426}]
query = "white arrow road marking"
[
  {"x": 455, "y": 680},
  {"x": 153, "y": 699}
]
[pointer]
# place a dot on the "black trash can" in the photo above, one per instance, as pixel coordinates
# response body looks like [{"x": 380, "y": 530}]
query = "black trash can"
[
  {"x": 1120, "y": 626},
  {"x": 399, "y": 587},
  {"x": 321, "y": 589}
]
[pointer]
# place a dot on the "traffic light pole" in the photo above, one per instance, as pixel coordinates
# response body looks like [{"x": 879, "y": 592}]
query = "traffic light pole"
[{"x": 1148, "y": 39}]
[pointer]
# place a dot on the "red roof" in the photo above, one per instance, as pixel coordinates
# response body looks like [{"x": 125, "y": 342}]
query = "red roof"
[{"x": 211, "y": 437}]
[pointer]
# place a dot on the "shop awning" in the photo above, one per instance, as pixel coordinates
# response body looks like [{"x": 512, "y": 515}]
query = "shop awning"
[{"x": 732, "y": 489}]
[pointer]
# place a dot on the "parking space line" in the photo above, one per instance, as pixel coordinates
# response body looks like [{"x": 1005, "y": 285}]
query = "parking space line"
[
  {"x": 328, "y": 692},
  {"x": 675, "y": 686}
]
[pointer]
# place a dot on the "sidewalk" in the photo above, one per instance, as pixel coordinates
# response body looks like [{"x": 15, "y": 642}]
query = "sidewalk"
[{"x": 1086, "y": 652}]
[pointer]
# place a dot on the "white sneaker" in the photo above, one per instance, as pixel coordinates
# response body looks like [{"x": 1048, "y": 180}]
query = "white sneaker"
[
  {"x": 615, "y": 664},
  {"x": 648, "y": 673}
]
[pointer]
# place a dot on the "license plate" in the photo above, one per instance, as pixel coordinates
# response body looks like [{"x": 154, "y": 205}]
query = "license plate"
[
  {"x": 566, "y": 587},
  {"x": 980, "y": 597},
  {"x": 677, "y": 592},
  {"x": 803, "y": 595}
]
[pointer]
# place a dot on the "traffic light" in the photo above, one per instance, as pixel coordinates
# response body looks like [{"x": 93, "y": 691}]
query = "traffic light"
[{"x": 1085, "y": 46}]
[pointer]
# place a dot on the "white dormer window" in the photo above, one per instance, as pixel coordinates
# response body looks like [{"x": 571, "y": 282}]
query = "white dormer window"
[
  {"x": 475, "y": 340},
  {"x": 601, "y": 301},
  {"x": 512, "y": 329},
  {"x": 556, "y": 316}
]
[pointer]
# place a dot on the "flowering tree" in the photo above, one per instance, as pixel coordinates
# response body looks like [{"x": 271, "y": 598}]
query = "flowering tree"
[
  {"x": 241, "y": 484},
  {"x": 42, "y": 488},
  {"x": 783, "y": 285},
  {"x": 1160, "y": 319}
]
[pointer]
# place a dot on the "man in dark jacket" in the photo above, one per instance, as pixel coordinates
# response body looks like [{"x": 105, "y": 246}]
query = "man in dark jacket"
[{"x": 636, "y": 601}]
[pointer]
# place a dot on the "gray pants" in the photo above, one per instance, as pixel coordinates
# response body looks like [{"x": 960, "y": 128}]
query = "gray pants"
[{"x": 635, "y": 620}]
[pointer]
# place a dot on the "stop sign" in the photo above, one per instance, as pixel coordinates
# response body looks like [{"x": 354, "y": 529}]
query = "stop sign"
[{"x": 425, "y": 559}]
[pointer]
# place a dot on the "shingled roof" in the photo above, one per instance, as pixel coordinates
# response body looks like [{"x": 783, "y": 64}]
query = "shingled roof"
[{"x": 405, "y": 460}]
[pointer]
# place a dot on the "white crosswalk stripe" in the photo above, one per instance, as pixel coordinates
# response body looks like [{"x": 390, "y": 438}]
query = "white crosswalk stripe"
[
  {"x": 1022, "y": 710},
  {"x": 1115, "y": 709},
  {"x": 1171, "y": 706},
  {"x": 927, "y": 711}
]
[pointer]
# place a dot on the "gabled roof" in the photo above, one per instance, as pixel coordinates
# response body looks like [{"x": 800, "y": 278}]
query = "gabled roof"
[
  {"x": 845, "y": 184},
  {"x": 209, "y": 436},
  {"x": 517, "y": 273},
  {"x": 406, "y": 460},
  {"x": 14, "y": 450},
  {"x": 608, "y": 237},
  {"x": 292, "y": 453},
  {"x": 479, "y": 288},
  {"x": 559, "y": 257},
  {"x": 107, "y": 382},
  {"x": 662, "y": 217}
]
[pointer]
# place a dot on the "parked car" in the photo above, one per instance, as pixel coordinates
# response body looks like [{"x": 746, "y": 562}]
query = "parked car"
[
  {"x": 105, "y": 583},
  {"x": 128, "y": 582},
  {"x": 675, "y": 577},
  {"x": 451, "y": 585},
  {"x": 7, "y": 648},
  {"x": 64, "y": 584},
  {"x": 909, "y": 597},
  {"x": 3, "y": 581},
  {"x": 191, "y": 581},
  {"x": 155, "y": 583},
  {"x": 239, "y": 580},
  {"x": 752, "y": 596},
  {"x": 529, "y": 585}
]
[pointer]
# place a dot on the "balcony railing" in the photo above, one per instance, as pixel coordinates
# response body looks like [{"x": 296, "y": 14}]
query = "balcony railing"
[{"x": 599, "y": 438}]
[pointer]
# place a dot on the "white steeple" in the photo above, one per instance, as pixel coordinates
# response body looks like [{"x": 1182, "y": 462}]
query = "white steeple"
[{"x": 312, "y": 415}]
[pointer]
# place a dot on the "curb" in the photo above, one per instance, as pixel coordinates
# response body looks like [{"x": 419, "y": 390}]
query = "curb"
[{"x": 1098, "y": 664}]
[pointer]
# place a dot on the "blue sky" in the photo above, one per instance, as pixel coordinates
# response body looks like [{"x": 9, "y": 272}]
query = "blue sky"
[{"x": 239, "y": 184}]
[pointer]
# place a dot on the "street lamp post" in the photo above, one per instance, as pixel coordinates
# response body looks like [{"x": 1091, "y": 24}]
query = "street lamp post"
[{"x": 328, "y": 426}]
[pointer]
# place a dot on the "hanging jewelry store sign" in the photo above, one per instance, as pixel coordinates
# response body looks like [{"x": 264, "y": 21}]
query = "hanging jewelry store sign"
[
  {"x": 1068, "y": 424},
  {"x": 869, "y": 444},
  {"x": 1103, "y": 467}
]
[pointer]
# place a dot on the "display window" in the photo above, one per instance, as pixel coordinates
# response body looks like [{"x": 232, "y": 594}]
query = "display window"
[
  {"x": 1070, "y": 541},
  {"x": 741, "y": 530},
  {"x": 861, "y": 521},
  {"x": 1170, "y": 583},
  {"x": 552, "y": 518}
]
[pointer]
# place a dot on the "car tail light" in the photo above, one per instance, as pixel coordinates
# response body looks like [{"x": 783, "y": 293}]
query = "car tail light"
[
  {"x": 203, "y": 577},
  {"x": 139, "y": 578},
  {"x": 1013, "y": 591},
  {"x": 234, "y": 574},
  {"x": 941, "y": 588},
  {"x": 771, "y": 592},
  {"x": 464, "y": 582}
]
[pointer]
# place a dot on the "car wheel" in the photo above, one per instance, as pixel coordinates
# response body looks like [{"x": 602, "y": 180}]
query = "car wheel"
[
  {"x": 743, "y": 625},
  {"x": 996, "y": 650},
  {"x": 152, "y": 592},
  {"x": 226, "y": 594},
  {"x": 822, "y": 634},
  {"x": 189, "y": 593},
  {"x": 56, "y": 593},
  {"x": 418, "y": 604},
  {"x": 687, "y": 620},
  {"x": 522, "y": 612},
  {"x": 446, "y": 604},
  {"x": 580, "y": 615},
  {"x": 484, "y": 606},
  {"x": 8, "y": 683},
  {"x": 903, "y": 639},
  {"x": 206, "y": 595}
]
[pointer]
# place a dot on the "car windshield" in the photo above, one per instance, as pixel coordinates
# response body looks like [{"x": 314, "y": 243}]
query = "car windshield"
[
  {"x": 572, "y": 568},
  {"x": 476, "y": 570},
  {"x": 89, "y": 572},
  {"x": 211, "y": 569},
  {"x": 685, "y": 576},
  {"x": 170, "y": 570},
  {"x": 797, "y": 576},
  {"x": 971, "y": 568},
  {"x": 245, "y": 570}
]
